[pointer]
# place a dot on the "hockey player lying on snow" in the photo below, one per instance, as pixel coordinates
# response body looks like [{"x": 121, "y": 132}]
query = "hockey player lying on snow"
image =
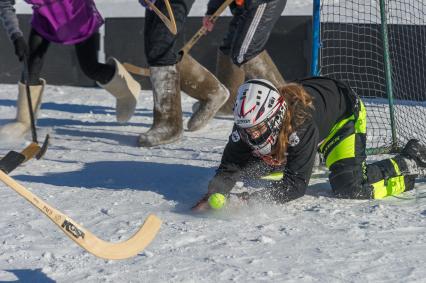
[{"x": 281, "y": 129}]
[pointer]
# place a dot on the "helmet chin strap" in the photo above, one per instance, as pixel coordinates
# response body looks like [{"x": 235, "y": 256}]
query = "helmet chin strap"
[
  {"x": 265, "y": 154},
  {"x": 266, "y": 150},
  {"x": 266, "y": 147}
]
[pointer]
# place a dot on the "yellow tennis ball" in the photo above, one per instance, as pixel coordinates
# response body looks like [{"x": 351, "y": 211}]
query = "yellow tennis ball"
[{"x": 217, "y": 201}]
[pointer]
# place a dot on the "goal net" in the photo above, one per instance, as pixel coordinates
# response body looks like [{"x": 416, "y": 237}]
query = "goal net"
[{"x": 379, "y": 48}]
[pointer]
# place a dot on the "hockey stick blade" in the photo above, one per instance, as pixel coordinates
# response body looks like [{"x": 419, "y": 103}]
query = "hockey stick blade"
[
  {"x": 136, "y": 70},
  {"x": 43, "y": 148},
  {"x": 13, "y": 159},
  {"x": 83, "y": 237}
]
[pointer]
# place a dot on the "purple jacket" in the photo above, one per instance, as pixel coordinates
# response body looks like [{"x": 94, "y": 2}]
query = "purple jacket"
[{"x": 65, "y": 21}]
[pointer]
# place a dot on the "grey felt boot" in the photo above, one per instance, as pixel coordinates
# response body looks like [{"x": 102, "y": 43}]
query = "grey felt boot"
[
  {"x": 262, "y": 67},
  {"x": 232, "y": 77},
  {"x": 167, "y": 126},
  {"x": 199, "y": 83}
]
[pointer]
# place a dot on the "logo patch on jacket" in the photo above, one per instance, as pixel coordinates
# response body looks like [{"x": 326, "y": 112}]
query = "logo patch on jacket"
[
  {"x": 235, "y": 136},
  {"x": 294, "y": 139}
]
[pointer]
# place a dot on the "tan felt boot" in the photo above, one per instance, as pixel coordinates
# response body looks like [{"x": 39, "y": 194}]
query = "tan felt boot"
[
  {"x": 262, "y": 67},
  {"x": 125, "y": 89},
  {"x": 23, "y": 121},
  {"x": 199, "y": 83},
  {"x": 232, "y": 77}
]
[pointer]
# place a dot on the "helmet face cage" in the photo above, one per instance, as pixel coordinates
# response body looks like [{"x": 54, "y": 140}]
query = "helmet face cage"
[
  {"x": 263, "y": 131},
  {"x": 263, "y": 144},
  {"x": 259, "y": 103}
]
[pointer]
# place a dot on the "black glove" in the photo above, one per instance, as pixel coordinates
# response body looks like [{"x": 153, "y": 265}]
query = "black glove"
[{"x": 21, "y": 47}]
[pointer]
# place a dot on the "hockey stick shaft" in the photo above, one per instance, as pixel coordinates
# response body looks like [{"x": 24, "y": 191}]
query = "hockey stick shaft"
[
  {"x": 43, "y": 149},
  {"x": 144, "y": 72},
  {"x": 202, "y": 31},
  {"x": 85, "y": 238},
  {"x": 30, "y": 103},
  {"x": 185, "y": 49}
]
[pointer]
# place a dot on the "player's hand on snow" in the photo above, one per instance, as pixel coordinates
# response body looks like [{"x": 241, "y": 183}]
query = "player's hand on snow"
[
  {"x": 244, "y": 196},
  {"x": 207, "y": 23},
  {"x": 21, "y": 47},
  {"x": 202, "y": 205}
]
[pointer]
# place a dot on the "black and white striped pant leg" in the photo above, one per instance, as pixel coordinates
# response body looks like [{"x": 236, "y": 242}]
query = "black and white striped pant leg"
[{"x": 254, "y": 28}]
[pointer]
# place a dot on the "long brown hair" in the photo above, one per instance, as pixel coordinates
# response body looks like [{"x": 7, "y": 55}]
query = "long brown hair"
[{"x": 299, "y": 104}]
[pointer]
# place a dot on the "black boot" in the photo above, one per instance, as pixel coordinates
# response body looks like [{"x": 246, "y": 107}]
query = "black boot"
[{"x": 416, "y": 151}]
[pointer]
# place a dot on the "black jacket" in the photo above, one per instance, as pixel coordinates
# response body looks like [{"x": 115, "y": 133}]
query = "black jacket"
[{"x": 330, "y": 106}]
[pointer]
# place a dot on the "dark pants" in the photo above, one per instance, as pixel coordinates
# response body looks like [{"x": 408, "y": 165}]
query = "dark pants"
[
  {"x": 160, "y": 43},
  {"x": 250, "y": 28},
  {"x": 350, "y": 176},
  {"x": 87, "y": 54}
]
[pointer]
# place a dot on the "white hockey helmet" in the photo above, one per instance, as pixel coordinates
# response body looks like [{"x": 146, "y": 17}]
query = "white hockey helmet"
[{"x": 258, "y": 114}]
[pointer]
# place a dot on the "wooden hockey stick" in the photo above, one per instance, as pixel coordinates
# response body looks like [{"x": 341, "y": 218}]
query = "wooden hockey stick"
[
  {"x": 43, "y": 149},
  {"x": 85, "y": 238},
  {"x": 136, "y": 70},
  {"x": 170, "y": 23},
  {"x": 13, "y": 159},
  {"x": 202, "y": 31},
  {"x": 77, "y": 233}
]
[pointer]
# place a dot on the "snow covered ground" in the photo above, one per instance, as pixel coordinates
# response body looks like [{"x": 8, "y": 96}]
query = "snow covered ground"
[{"x": 94, "y": 173}]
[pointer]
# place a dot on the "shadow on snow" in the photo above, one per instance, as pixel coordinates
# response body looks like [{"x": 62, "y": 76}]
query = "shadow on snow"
[
  {"x": 184, "y": 184},
  {"x": 181, "y": 183},
  {"x": 30, "y": 275},
  {"x": 86, "y": 109}
]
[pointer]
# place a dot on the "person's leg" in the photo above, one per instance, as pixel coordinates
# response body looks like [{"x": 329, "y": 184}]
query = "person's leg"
[
  {"x": 415, "y": 150},
  {"x": 351, "y": 176},
  {"x": 398, "y": 173},
  {"x": 112, "y": 76},
  {"x": 376, "y": 180},
  {"x": 232, "y": 77},
  {"x": 253, "y": 31},
  {"x": 38, "y": 47},
  {"x": 201, "y": 84},
  {"x": 160, "y": 43},
  {"x": 87, "y": 55},
  {"x": 229, "y": 74},
  {"x": 162, "y": 58}
]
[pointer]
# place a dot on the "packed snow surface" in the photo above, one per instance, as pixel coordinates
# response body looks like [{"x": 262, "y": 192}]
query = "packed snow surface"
[{"x": 94, "y": 172}]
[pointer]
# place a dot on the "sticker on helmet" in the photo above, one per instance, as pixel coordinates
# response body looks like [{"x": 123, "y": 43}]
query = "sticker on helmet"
[
  {"x": 235, "y": 136},
  {"x": 294, "y": 139}
]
